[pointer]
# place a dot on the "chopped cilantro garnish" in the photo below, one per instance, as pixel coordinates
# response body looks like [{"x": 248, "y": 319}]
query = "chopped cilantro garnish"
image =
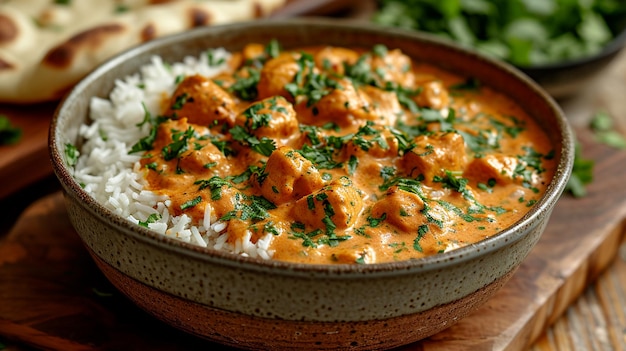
[
  {"x": 151, "y": 219},
  {"x": 215, "y": 185},
  {"x": 180, "y": 144},
  {"x": 145, "y": 143},
  {"x": 180, "y": 101},
  {"x": 254, "y": 119},
  {"x": 245, "y": 85},
  {"x": 249, "y": 207},
  {"x": 223, "y": 146},
  {"x": 322, "y": 157},
  {"x": 213, "y": 60},
  {"x": 313, "y": 86},
  {"x": 421, "y": 231},
  {"x": 71, "y": 155},
  {"x": 265, "y": 146},
  {"x": 353, "y": 162},
  {"x": 375, "y": 222},
  {"x": 191, "y": 203},
  {"x": 451, "y": 181},
  {"x": 272, "y": 49}
]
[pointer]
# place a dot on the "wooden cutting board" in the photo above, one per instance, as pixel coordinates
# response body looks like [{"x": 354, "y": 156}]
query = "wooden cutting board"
[
  {"x": 26, "y": 161},
  {"x": 53, "y": 297}
]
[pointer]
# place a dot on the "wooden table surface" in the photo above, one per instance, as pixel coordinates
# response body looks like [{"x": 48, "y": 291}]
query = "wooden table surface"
[{"x": 596, "y": 320}]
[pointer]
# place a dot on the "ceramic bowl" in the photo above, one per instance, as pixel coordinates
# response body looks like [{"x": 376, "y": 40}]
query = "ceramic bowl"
[{"x": 256, "y": 304}]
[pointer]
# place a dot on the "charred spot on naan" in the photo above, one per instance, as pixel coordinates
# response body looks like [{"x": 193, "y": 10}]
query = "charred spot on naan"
[
  {"x": 8, "y": 30},
  {"x": 258, "y": 10},
  {"x": 5, "y": 65},
  {"x": 148, "y": 32},
  {"x": 199, "y": 17},
  {"x": 64, "y": 54}
]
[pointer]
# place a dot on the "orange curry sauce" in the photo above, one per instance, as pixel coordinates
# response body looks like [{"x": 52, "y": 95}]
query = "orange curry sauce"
[{"x": 346, "y": 155}]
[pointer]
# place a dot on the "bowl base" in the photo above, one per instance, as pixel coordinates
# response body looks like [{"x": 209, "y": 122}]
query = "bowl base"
[{"x": 257, "y": 333}]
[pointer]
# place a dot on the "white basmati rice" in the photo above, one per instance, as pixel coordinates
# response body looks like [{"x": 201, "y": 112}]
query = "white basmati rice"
[{"x": 114, "y": 177}]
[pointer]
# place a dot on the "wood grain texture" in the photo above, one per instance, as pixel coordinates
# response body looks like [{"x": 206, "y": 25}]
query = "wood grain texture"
[
  {"x": 597, "y": 319},
  {"x": 26, "y": 161},
  {"x": 53, "y": 297}
]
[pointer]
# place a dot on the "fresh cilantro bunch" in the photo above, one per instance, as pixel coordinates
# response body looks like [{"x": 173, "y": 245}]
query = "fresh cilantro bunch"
[{"x": 523, "y": 32}]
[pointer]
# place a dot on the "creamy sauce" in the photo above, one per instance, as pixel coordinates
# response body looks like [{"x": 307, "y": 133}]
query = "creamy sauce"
[{"x": 347, "y": 156}]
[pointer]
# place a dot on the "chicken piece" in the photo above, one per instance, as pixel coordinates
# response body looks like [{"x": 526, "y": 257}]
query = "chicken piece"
[
  {"x": 346, "y": 106},
  {"x": 289, "y": 176},
  {"x": 434, "y": 154},
  {"x": 433, "y": 95},
  {"x": 203, "y": 160},
  {"x": 275, "y": 74},
  {"x": 401, "y": 209},
  {"x": 332, "y": 59},
  {"x": 500, "y": 168},
  {"x": 253, "y": 51},
  {"x": 423, "y": 224},
  {"x": 372, "y": 140},
  {"x": 395, "y": 67},
  {"x": 336, "y": 205},
  {"x": 181, "y": 146},
  {"x": 202, "y": 102},
  {"x": 385, "y": 105},
  {"x": 273, "y": 117},
  {"x": 341, "y": 106}
]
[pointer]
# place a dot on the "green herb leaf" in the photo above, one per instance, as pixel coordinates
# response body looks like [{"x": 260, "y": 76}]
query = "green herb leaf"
[
  {"x": 179, "y": 145},
  {"x": 582, "y": 174},
  {"x": 71, "y": 155},
  {"x": 603, "y": 128},
  {"x": 9, "y": 134}
]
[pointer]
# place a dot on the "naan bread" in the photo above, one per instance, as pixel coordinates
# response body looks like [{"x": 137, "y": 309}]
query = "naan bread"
[{"x": 46, "y": 46}]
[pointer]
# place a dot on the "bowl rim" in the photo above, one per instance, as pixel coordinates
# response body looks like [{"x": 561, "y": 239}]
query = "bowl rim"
[{"x": 438, "y": 261}]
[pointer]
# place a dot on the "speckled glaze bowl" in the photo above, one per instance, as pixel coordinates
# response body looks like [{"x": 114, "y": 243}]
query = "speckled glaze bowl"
[{"x": 255, "y": 304}]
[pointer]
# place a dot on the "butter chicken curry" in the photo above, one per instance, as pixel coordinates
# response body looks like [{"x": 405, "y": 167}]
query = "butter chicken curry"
[{"x": 345, "y": 155}]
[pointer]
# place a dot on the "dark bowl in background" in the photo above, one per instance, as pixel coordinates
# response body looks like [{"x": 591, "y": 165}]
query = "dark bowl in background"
[{"x": 565, "y": 79}]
